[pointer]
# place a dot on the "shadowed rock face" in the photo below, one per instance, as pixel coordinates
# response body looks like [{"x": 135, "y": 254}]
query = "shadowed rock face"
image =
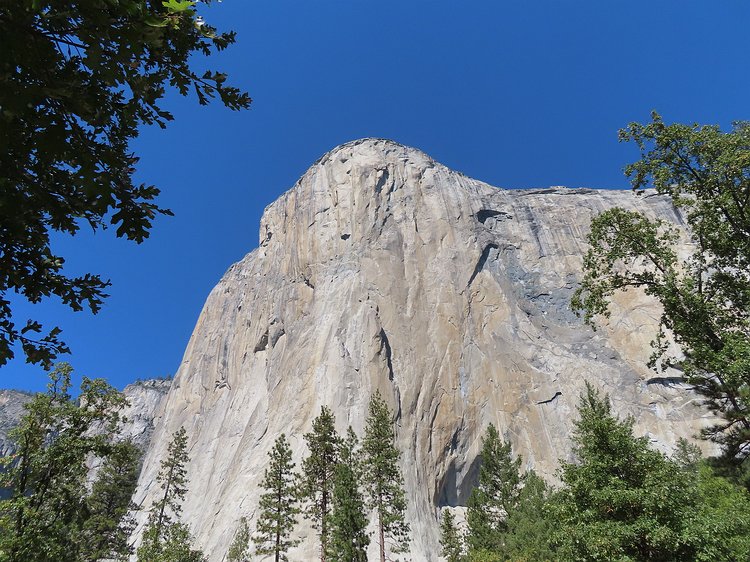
[{"x": 384, "y": 270}]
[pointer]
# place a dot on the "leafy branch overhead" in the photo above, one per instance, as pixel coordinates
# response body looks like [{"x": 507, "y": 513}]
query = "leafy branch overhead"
[
  {"x": 78, "y": 79},
  {"x": 705, "y": 299}
]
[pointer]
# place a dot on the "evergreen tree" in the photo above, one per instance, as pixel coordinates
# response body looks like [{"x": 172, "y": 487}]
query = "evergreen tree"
[
  {"x": 495, "y": 495},
  {"x": 383, "y": 481},
  {"x": 451, "y": 542},
  {"x": 317, "y": 474},
  {"x": 528, "y": 525},
  {"x": 621, "y": 500},
  {"x": 106, "y": 531},
  {"x": 43, "y": 518},
  {"x": 239, "y": 550},
  {"x": 278, "y": 509},
  {"x": 165, "y": 538},
  {"x": 348, "y": 522}
]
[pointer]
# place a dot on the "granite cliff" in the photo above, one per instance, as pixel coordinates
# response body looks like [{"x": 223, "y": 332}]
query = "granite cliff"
[
  {"x": 144, "y": 398},
  {"x": 382, "y": 269}
]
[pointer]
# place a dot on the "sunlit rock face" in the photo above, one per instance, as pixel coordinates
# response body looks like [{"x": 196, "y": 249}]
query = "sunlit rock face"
[
  {"x": 12, "y": 409},
  {"x": 384, "y": 270}
]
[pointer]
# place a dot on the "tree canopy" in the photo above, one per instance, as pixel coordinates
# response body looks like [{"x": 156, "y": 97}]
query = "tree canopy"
[
  {"x": 50, "y": 514},
  {"x": 622, "y": 500},
  {"x": 77, "y": 80},
  {"x": 705, "y": 299}
]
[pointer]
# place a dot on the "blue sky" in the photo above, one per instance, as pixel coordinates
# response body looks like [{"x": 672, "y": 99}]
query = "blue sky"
[{"x": 517, "y": 94}]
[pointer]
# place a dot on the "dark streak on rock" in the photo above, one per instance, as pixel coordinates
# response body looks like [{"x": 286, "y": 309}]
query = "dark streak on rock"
[
  {"x": 386, "y": 346},
  {"x": 480, "y": 263},
  {"x": 262, "y": 342}
]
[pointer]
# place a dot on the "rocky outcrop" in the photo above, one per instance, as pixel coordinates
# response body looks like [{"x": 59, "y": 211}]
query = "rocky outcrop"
[
  {"x": 144, "y": 398},
  {"x": 12, "y": 404},
  {"x": 384, "y": 270}
]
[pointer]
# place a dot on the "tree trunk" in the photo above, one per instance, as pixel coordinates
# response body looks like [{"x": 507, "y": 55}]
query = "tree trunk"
[
  {"x": 323, "y": 518},
  {"x": 382, "y": 538}
]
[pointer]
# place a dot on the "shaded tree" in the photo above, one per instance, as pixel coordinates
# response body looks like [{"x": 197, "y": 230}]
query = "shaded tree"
[
  {"x": 77, "y": 81},
  {"x": 348, "y": 522},
  {"x": 105, "y": 533},
  {"x": 47, "y": 509},
  {"x": 318, "y": 470},
  {"x": 705, "y": 299},
  {"x": 383, "y": 481},
  {"x": 529, "y": 525},
  {"x": 278, "y": 504}
]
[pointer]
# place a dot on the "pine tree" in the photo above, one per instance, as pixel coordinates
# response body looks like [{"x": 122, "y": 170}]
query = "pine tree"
[
  {"x": 278, "y": 509},
  {"x": 317, "y": 474},
  {"x": 106, "y": 531},
  {"x": 348, "y": 522},
  {"x": 621, "y": 500},
  {"x": 528, "y": 526},
  {"x": 450, "y": 538},
  {"x": 384, "y": 483},
  {"x": 495, "y": 495},
  {"x": 165, "y": 538},
  {"x": 239, "y": 550}
]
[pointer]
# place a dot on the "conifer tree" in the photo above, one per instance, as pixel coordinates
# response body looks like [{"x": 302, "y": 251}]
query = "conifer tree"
[
  {"x": 239, "y": 550},
  {"x": 450, "y": 538},
  {"x": 317, "y": 474},
  {"x": 348, "y": 523},
  {"x": 278, "y": 505},
  {"x": 383, "y": 481},
  {"x": 495, "y": 495},
  {"x": 104, "y": 535},
  {"x": 166, "y": 538},
  {"x": 621, "y": 500}
]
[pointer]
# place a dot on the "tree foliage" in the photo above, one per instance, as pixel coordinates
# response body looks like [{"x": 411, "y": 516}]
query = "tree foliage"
[
  {"x": 383, "y": 481},
  {"x": 506, "y": 513},
  {"x": 106, "y": 531},
  {"x": 495, "y": 495},
  {"x": 239, "y": 550},
  {"x": 278, "y": 504},
  {"x": 166, "y": 538},
  {"x": 50, "y": 509},
  {"x": 451, "y": 542},
  {"x": 77, "y": 80},
  {"x": 348, "y": 522},
  {"x": 622, "y": 500},
  {"x": 318, "y": 470},
  {"x": 706, "y": 299},
  {"x": 529, "y": 525}
]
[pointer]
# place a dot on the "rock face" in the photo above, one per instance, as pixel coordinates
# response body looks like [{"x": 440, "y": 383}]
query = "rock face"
[
  {"x": 384, "y": 270},
  {"x": 144, "y": 399},
  {"x": 12, "y": 404}
]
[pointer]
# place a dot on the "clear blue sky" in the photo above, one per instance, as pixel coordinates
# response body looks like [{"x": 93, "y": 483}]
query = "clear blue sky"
[{"x": 518, "y": 94}]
